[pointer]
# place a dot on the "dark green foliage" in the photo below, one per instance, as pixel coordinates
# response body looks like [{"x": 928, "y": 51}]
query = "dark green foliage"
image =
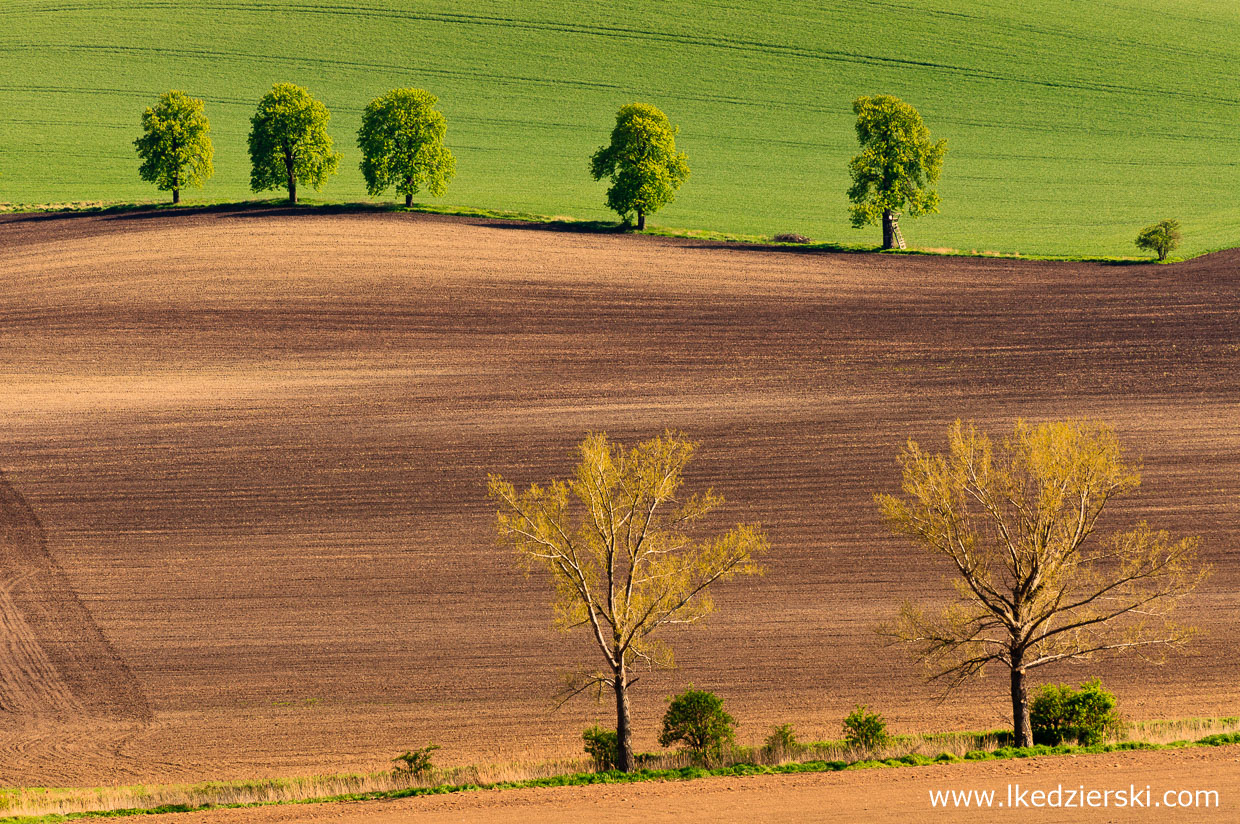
[
  {"x": 401, "y": 139},
  {"x": 864, "y": 729},
  {"x": 1160, "y": 238},
  {"x": 696, "y": 719},
  {"x": 175, "y": 146},
  {"x": 1060, "y": 714},
  {"x": 289, "y": 143},
  {"x": 415, "y": 763},
  {"x": 602, "y": 746},
  {"x": 642, "y": 162}
]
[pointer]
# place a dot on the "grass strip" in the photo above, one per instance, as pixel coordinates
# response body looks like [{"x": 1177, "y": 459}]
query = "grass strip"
[
  {"x": 681, "y": 774},
  {"x": 565, "y": 223}
]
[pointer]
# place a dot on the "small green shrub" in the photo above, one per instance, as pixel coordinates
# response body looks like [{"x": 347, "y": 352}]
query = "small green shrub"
[
  {"x": 1086, "y": 716},
  {"x": 696, "y": 719},
  {"x": 782, "y": 743},
  {"x": 415, "y": 763},
  {"x": 864, "y": 729},
  {"x": 1160, "y": 238},
  {"x": 603, "y": 747}
]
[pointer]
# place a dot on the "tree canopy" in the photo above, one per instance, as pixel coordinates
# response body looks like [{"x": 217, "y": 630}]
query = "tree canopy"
[
  {"x": 621, "y": 543},
  {"x": 897, "y": 167},
  {"x": 401, "y": 139},
  {"x": 289, "y": 143},
  {"x": 175, "y": 145},
  {"x": 1034, "y": 585},
  {"x": 642, "y": 162},
  {"x": 1161, "y": 238}
]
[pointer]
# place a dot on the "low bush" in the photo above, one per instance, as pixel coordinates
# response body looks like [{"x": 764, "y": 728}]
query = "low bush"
[
  {"x": 415, "y": 763},
  {"x": 603, "y": 747},
  {"x": 791, "y": 237},
  {"x": 1061, "y": 714},
  {"x": 782, "y": 743},
  {"x": 696, "y": 719},
  {"x": 864, "y": 729}
]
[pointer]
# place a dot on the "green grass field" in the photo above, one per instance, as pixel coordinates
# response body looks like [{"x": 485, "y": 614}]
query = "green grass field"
[{"x": 1070, "y": 124}]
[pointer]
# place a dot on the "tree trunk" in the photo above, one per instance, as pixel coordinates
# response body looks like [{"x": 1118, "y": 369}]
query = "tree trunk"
[
  {"x": 176, "y": 187},
  {"x": 641, "y": 221},
  {"x": 1022, "y": 732},
  {"x": 889, "y": 229},
  {"x": 624, "y": 731},
  {"x": 292, "y": 176},
  {"x": 408, "y": 199},
  {"x": 176, "y": 196}
]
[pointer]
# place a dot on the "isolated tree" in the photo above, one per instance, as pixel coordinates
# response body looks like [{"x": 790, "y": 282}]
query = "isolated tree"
[
  {"x": 401, "y": 139},
  {"x": 289, "y": 141},
  {"x": 897, "y": 167},
  {"x": 1034, "y": 585},
  {"x": 1161, "y": 238},
  {"x": 622, "y": 544},
  {"x": 642, "y": 162},
  {"x": 175, "y": 146}
]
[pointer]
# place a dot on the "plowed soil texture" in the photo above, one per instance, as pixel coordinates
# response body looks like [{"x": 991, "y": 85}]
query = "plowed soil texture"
[{"x": 245, "y": 453}]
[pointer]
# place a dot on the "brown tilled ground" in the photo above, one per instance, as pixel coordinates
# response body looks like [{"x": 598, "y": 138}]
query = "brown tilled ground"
[{"x": 257, "y": 443}]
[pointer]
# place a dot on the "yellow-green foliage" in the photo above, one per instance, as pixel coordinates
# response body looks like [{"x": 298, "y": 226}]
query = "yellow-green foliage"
[
  {"x": 641, "y": 161},
  {"x": 175, "y": 146},
  {"x": 620, "y": 543},
  {"x": 402, "y": 143},
  {"x": 898, "y": 164},
  {"x": 289, "y": 143}
]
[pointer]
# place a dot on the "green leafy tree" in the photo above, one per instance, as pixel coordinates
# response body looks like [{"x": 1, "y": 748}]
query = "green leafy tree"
[
  {"x": 696, "y": 719},
  {"x": 642, "y": 162},
  {"x": 289, "y": 143},
  {"x": 401, "y": 139},
  {"x": 624, "y": 549},
  {"x": 1161, "y": 238},
  {"x": 1034, "y": 585},
  {"x": 175, "y": 146},
  {"x": 897, "y": 167}
]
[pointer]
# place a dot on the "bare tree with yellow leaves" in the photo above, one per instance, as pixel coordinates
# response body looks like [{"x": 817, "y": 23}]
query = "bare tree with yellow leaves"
[
  {"x": 620, "y": 542},
  {"x": 1034, "y": 585}
]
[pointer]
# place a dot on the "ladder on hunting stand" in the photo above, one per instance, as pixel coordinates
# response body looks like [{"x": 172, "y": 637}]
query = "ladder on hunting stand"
[{"x": 898, "y": 235}]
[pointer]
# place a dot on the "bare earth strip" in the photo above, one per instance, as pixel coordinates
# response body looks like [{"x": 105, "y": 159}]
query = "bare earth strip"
[
  {"x": 258, "y": 442},
  {"x": 871, "y": 796}
]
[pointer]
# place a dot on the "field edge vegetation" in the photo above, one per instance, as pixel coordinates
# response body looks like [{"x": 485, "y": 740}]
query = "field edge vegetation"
[
  {"x": 275, "y": 792},
  {"x": 568, "y": 223}
]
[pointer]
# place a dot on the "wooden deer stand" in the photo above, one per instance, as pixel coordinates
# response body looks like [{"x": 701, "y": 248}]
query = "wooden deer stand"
[{"x": 893, "y": 238}]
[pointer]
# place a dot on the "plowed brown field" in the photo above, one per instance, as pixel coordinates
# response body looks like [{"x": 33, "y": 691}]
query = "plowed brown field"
[{"x": 257, "y": 441}]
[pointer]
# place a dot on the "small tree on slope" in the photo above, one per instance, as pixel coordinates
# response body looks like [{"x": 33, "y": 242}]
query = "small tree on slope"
[
  {"x": 1161, "y": 238},
  {"x": 642, "y": 162},
  {"x": 897, "y": 167},
  {"x": 289, "y": 141},
  {"x": 175, "y": 145},
  {"x": 401, "y": 139}
]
